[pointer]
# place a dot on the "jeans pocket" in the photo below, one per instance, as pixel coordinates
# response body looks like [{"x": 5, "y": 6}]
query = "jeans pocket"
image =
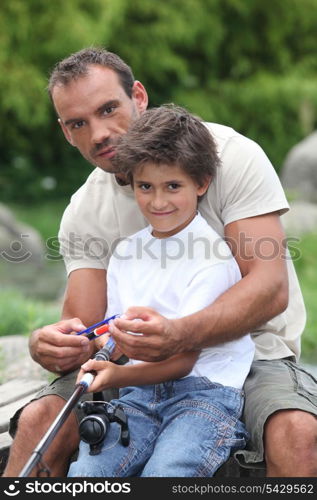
[{"x": 238, "y": 437}]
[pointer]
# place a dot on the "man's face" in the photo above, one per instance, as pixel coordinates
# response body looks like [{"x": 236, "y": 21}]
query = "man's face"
[{"x": 94, "y": 111}]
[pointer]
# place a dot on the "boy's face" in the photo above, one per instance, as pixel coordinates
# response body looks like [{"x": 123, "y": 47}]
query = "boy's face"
[
  {"x": 95, "y": 111},
  {"x": 167, "y": 197}
]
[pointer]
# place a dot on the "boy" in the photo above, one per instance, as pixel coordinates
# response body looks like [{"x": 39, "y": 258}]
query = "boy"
[{"x": 183, "y": 413}]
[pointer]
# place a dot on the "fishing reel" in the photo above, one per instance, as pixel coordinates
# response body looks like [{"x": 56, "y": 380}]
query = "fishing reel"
[{"x": 94, "y": 427}]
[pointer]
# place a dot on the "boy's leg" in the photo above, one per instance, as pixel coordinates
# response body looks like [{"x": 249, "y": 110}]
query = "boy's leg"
[
  {"x": 280, "y": 411},
  {"x": 200, "y": 428},
  {"x": 114, "y": 459},
  {"x": 30, "y": 423}
]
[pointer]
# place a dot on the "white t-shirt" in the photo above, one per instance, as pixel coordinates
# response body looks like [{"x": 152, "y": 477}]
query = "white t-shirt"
[
  {"x": 178, "y": 276},
  {"x": 101, "y": 212}
]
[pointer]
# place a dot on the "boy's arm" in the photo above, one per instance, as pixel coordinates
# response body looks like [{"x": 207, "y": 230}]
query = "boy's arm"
[{"x": 111, "y": 375}]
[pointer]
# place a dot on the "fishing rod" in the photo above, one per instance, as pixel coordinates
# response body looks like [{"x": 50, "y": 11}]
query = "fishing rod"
[{"x": 81, "y": 387}]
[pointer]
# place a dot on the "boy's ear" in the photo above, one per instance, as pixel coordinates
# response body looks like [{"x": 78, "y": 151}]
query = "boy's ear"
[{"x": 203, "y": 187}]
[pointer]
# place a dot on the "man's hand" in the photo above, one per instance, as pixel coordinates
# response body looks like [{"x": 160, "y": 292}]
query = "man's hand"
[
  {"x": 57, "y": 351},
  {"x": 160, "y": 339}
]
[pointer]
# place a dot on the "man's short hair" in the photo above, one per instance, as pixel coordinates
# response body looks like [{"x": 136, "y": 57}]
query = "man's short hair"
[
  {"x": 168, "y": 135},
  {"x": 77, "y": 65}
]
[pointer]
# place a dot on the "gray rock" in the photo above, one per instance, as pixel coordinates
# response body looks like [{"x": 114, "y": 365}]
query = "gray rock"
[
  {"x": 16, "y": 362},
  {"x": 299, "y": 171},
  {"x": 300, "y": 219},
  {"x": 19, "y": 242}
]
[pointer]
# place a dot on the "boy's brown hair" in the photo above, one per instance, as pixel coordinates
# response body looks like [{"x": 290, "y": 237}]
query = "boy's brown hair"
[{"x": 168, "y": 135}]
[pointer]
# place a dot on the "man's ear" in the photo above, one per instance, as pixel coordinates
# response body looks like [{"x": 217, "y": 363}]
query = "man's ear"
[
  {"x": 66, "y": 132},
  {"x": 139, "y": 96}
]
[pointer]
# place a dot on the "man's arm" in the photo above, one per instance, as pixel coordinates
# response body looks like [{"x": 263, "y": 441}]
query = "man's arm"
[
  {"x": 258, "y": 244},
  {"x": 85, "y": 302},
  {"x": 86, "y": 296}
]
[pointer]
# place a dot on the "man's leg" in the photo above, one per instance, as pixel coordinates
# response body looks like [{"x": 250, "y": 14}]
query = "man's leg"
[
  {"x": 290, "y": 443},
  {"x": 34, "y": 421},
  {"x": 29, "y": 424},
  {"x": 281, "y": 415}
]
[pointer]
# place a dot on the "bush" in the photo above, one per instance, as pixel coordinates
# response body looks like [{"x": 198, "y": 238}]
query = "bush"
[
  {"x": 276, "y": 112},
  {"x": 250, "y": 65}
]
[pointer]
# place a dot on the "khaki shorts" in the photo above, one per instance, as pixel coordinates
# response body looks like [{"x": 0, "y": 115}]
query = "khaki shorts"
[{"x": 272, "y": 386}]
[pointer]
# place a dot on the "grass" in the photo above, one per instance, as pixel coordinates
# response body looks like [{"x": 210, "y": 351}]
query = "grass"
[
  {"x": 22, "y": 313},
  {"x": 29, "y": 296}
]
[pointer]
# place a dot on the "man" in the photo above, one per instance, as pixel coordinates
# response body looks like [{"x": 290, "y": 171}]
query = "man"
[{"x": 96, "y": 98}]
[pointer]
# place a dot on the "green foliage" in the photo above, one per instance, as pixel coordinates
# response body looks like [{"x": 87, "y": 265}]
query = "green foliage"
[
  {"x": 245, "y": 63},
  {"x": 275, "y": 111},
  {"x": 307, "y": 274},
  {"x": 34, "y": 36},
  {"x": 44, "y": 216},
  {"x": 21, "y": 315}
]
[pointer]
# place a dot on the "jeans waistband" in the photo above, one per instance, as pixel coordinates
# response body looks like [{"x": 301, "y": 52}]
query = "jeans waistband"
[{"x": 186, "y": 384}]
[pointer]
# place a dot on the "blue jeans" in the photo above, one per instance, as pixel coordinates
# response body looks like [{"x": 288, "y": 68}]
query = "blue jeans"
[{"x": 183, "y": 428}]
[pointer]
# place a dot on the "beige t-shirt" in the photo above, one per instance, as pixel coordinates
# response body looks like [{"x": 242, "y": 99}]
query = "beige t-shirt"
[{"x": 101, "y": 213}]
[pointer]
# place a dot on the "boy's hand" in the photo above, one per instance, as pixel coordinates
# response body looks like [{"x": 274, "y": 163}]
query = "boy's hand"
[{"x": 107, "y": 374}]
